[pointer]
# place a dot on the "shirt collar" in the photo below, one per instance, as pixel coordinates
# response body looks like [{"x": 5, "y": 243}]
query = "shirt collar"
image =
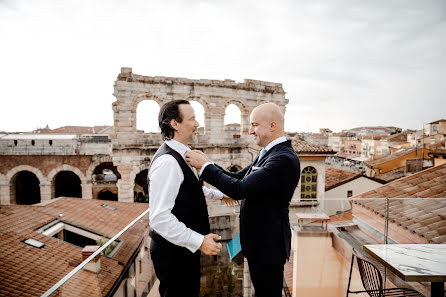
[
  {"x": 178, "y": 147},
  {"x": 275, "y": 142}
]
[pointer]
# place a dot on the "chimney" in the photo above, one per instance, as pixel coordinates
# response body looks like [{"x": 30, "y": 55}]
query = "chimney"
[{"x": 95, "y": 264}]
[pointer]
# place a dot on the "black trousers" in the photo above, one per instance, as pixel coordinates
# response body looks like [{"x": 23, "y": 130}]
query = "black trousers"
[
  {"x": 177, "y": 269},
  {"x": 267, "y": 279}
]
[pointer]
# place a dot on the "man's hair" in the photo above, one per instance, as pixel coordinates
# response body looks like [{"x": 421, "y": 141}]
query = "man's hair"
[{"x": 170, "y": 111}]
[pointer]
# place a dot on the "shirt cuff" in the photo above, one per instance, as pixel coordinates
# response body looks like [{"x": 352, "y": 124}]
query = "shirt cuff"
[
  {"x": 219, "y": 194},
  {"x": 195, "y": 241},
  {"x": 204, "y": 166}
]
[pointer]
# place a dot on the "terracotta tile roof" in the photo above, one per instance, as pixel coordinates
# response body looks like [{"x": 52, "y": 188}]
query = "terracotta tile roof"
[
  {"x": 429, "y": 183},
  {"x": 303, "y": 147},
  {"x": 400, "y": 137},
  {"x": 28, "y": 270},
  {"x": 74, "y": 130},
  {"x": 386, "y": 158},
  {"x": 345, "y": 217},
  {"x": 437, "y": 122},
  {"x": 438, "y": 148},
  {"x": 372, "y": 137},
  {"x": 393, "y": 174},
  {"x": 423, "y": 217},
  {"x": 335, "y": 177}
]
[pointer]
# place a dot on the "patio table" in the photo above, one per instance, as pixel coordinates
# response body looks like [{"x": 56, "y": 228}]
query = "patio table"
[{"x": 414, "y": 262}]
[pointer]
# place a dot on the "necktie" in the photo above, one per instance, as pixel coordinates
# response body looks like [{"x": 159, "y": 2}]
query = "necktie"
[{"x": 262, "y": 153}]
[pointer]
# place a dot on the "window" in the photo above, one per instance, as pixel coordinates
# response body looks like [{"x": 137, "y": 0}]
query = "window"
[
  {"x": 77, "y": 236},
  {"x": 349, "y": 193},
  {"x": 308, "y": 188},
  {"x": 33, "y": 142}
]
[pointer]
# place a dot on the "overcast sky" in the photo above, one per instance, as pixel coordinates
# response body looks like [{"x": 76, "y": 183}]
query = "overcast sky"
[{"x": 343, "y": 64}]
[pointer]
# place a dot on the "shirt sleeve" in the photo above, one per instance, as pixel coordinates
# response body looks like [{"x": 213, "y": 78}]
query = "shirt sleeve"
[
  {"x": 162, "y": 200},
  {"x": 212, "y": 193}
]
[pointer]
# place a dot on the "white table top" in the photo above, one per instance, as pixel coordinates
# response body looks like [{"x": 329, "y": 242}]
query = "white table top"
[
  {"x": 412, "y": 262},
  {"x": 312, "y": 216}
]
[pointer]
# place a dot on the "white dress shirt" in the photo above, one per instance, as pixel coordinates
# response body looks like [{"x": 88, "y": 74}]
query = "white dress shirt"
[
  {"x": 166, "y": 177},
  {"x": 267, "y": 148}
]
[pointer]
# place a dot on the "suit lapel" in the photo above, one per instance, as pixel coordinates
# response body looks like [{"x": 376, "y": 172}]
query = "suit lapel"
[{"x": 275, "y": 148}]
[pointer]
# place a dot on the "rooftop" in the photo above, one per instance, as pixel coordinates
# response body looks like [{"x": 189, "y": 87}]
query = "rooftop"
[
  {"x": 429, "y": 183},
  {"x": 395, "y": 155},
  {"x": 335, "y": 177},
  {"x": 74, "y": 130},
  {"x": 425, "y": 218},
  {"x": 303, "y": 147},
  {"x": 30, "y": 271}
]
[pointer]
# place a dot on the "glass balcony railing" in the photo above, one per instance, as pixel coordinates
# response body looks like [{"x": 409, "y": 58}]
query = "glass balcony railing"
[{"x": 110, "y": 256}]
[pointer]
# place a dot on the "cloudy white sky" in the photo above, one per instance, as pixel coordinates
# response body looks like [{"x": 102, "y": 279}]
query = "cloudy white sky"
[{"x": 342, "y": 63}]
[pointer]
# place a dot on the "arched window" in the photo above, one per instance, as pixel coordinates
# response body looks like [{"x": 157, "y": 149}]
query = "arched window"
[
  {"x": 232, "y": 120},
  {"x": 308, "y": 181},
  {"x": 107, "y": 195},
  {"x": 199, "y": 115},
  {"x": 140, "y": 188},
  {"x": 67, "y": 184},
  {"x": 147, "y": 116},
  {"x": 106, "y": 172},
  {"x": 234, "y": 168},
  {"x": 25, "y": 188}
]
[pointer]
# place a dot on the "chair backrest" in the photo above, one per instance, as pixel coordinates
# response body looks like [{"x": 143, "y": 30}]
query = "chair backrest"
[{"x": 370, "y": 276}]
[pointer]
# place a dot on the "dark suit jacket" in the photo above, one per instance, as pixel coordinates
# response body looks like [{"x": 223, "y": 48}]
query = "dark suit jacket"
[{"x": 265, "y": 233}]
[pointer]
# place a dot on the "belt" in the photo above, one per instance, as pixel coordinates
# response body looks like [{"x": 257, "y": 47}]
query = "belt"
[{"x": 158, "y": 238}]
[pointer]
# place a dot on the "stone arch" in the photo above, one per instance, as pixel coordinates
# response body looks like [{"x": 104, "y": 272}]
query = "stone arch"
[
  {"x": 108, "y": 194},
  {"x": 66, "y": 167},
  {"x": 19, "y": 168},
  {"x": 243, "y": 108},
  {"x": 96, "y": 163},
  {"x": 86, "y": 186},
  {"x": 138, "y": 99},
  {"x": 203, "y": 100},
  {"x": 137, "y": 170},
  {"x": 10, "y": 193},
  {"x": 245, "y": 111},
  {"x": 234, "y": 168}
]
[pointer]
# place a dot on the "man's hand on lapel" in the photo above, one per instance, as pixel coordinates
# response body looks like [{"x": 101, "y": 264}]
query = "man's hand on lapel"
[{"x": 196, "y": 159}]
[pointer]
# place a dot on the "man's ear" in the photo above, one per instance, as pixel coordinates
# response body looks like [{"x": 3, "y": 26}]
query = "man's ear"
[
  {"x": 273, "y": 126},
  {"x": 174, "y": 124}
]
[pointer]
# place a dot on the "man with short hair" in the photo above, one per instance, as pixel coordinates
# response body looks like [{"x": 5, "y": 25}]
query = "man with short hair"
[
  {"x": 266, "y": 188},
  {"x": 179, "y": 223}
]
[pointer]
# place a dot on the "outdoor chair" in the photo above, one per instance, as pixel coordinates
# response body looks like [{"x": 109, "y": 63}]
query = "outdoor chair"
[{"x": 373, "y": 282}]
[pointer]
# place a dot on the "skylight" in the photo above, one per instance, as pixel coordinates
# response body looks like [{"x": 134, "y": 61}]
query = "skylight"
[
  {"x": 34, "y": 243},
  {"x": 108, "y": 207}
]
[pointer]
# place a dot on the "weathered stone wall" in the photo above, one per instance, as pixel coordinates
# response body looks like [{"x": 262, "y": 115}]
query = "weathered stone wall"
[
  {"x": 37, "y": 144},
  {"x": 133, "y": 150},
  {"x": 45, "y": 168}
]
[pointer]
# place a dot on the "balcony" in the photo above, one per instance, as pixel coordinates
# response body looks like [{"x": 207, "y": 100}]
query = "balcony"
[{"x": 48, "y": 265}]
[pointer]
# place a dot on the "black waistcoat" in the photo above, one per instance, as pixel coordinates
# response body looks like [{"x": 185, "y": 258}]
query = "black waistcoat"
[{"x": 190, "y": 205}]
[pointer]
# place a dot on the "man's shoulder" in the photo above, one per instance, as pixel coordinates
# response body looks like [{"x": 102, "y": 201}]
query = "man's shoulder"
[{"x": 163, "y": 160}]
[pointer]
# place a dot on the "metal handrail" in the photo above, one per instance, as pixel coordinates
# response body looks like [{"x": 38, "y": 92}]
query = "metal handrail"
[{"x": 80, "y": 266}]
